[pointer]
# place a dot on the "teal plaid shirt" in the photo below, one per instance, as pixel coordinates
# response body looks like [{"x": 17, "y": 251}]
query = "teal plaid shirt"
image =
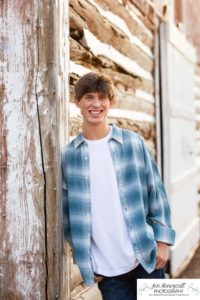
[{"x": 143, "y": 199}]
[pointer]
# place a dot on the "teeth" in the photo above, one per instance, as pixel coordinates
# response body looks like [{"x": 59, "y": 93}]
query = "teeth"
[{"x": 95, "y": 112}]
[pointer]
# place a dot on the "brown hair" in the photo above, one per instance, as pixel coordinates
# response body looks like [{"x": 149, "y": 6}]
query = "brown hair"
[{"x": 94, "y": 83}]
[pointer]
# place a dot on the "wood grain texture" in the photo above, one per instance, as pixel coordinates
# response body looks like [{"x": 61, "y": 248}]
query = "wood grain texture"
[
  {"x": 113, "y": 37},
  {"x": 22, "y": 255},
  {"x": 82, "y": 56},
  {"x": 137, "y": 28},
  {"x": 32, "y": 100}
]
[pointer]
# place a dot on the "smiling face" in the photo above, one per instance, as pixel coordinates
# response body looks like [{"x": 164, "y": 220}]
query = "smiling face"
[{"x": 94, "y": 107}]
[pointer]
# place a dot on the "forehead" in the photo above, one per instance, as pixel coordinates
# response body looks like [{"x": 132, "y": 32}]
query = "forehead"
[{"x": 95, "y": 94}]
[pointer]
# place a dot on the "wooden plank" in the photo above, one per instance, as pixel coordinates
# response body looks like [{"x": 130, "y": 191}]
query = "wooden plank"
[
  {"x": 121, "y": 24},
  {"x": 127, "y": 99},
  {"x": 60, "y": 254},
  {"x": 179, "y": 42},
  {"x": 123, "y": 61},
  {"x": 113, "y": 37},
  {"x": 128, "y": 81},
  {"x": 82, "y": 57},
  {"x": 22, "y": 227},
  {"x": 148, "y": 13},
  {"x": 137, "y": 28},
  {"x": 47, "y": 90},
  {"x": 119, "y": 78},
  {"x": 33, "y": 85}
]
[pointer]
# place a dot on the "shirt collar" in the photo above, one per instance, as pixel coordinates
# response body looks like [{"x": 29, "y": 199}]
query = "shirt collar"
[
  {"x": 78, "y": 140},
  {"x": 116, "y": 135}
]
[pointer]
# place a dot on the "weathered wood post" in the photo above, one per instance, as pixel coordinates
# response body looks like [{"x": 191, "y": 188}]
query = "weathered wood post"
[{"x": 33, "y": 95}]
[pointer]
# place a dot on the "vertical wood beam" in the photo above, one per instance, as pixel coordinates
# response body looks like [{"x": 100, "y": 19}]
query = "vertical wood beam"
[{"x": 33, "y": 120}]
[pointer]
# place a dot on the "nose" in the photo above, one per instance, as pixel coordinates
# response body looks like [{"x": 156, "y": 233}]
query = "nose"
[{"x": 96, "y": 102}]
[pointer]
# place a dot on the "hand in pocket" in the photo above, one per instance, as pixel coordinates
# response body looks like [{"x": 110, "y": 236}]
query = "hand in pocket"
[{"x": 162, "y": 255}]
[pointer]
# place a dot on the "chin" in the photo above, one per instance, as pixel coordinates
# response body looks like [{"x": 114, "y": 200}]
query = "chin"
[{"x": 98, "y": 121}]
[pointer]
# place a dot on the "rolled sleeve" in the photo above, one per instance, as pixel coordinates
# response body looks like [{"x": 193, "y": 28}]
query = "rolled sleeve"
[{"x": 163, "y": 233}]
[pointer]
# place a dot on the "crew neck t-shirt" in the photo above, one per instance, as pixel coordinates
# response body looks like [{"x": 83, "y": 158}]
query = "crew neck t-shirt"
[{"x": 111, "y": 251}]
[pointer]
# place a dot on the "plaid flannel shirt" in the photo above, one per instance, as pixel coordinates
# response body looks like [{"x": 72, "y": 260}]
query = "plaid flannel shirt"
[{"x": 143, "y": 199}]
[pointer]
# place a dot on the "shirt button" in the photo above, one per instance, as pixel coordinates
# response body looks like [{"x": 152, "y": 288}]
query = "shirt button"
[
  {"x": 125, "y": 208},
  {"x": 85, "y": 157}
]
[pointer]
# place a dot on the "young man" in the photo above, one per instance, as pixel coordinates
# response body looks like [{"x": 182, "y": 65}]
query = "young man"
[{"x": 116, "y": 213}]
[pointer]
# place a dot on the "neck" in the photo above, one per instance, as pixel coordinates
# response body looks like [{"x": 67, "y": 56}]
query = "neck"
[{"x": 95, "y": 132}]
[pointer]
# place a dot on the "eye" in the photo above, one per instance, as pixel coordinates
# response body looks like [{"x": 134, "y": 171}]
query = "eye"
[
  {"x": 89, "y": 97},
  {"x": 102, "y": 97}
]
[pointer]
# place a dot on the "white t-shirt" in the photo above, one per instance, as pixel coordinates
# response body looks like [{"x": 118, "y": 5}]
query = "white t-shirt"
[{"x": 111, "y": 250}]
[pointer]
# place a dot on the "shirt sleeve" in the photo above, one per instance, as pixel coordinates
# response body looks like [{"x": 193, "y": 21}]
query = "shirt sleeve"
[
  {"x": 159, "y": 214},
  {"x": 65, "y": 205}
]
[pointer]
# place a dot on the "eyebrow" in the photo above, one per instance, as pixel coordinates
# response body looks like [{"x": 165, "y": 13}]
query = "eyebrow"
[{"x": 100, "y": 94}]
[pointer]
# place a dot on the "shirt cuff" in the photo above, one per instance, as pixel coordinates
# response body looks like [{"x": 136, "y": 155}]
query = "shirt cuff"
[{"x": 164, "y": 233}]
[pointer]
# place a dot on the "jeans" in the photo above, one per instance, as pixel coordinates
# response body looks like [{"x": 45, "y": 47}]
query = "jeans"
[{"x": 124, "y": 287}]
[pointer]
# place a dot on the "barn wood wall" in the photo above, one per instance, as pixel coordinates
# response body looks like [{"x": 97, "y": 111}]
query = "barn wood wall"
[{"x": 32, "y": 85}]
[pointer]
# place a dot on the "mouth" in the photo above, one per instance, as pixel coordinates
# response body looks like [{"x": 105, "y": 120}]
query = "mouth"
[{"x": 95, "y": 113}]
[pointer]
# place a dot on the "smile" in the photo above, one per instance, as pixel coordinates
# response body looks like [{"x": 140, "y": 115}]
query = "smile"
[{"x": 95, "y": 112}]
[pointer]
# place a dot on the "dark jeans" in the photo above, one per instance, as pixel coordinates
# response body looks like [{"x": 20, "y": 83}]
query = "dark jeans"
[{"x": 124, "y": 287}]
